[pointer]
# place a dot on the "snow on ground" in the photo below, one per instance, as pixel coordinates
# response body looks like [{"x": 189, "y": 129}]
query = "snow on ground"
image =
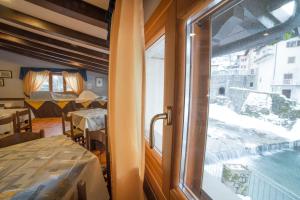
[
  {"x": 228, "y": 116},
  {"x": 258, "y": 100}
]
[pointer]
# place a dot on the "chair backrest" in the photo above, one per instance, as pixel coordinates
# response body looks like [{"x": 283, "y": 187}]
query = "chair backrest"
[
  {"x": 13, "y": 107},
  {"x": 90, "y": 135},
  {"x": 66, "y": 118},
  {"x": 9, "y": 120},
  {"x": 107, "y": 152},
  {"x": 18, "y": 138},
  {"x": 19, "y": 115}
]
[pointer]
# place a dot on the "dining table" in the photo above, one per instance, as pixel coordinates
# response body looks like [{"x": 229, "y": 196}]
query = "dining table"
[
  {"x": 91, "y": 119},
  {"x": 50, "y": 168},
  {"x": 7, "y": 129}
]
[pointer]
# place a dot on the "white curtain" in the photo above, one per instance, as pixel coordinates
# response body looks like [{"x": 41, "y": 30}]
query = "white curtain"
[
  {"x": 74, "y": 81},
  {"x": 34, "y": 80},
  {"x": 125, "y": 100}
]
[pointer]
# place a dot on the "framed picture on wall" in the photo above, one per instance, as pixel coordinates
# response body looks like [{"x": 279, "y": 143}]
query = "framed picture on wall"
[
  {"x": 5, "y": 74},
  {"x": 1, "y": 82},
  {"x": 99, "y": 82}
]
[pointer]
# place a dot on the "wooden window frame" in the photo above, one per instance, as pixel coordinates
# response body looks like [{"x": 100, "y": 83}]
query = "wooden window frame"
[
  {"x": 187, "y": 16},
  {"x": 64, "y": 83},
  {"x": 186, "y": 11}
]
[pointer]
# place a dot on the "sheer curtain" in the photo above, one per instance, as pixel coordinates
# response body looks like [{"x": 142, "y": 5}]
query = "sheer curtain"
[
  {"x": 34, "y": 80},
  {"x": 125, "y": 100},
  {"x": 74, "y": 81}
]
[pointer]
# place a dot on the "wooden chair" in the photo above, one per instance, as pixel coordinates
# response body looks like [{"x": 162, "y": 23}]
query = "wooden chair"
[
  {"x": 24, "y": 125},
  {"x": 102, "y": 136},
  {"x": 76, "y": 134},
  {"x": 18, "y": 138},
  {"x": 9, "y": 120},
  {"x": 92, "y": 136}
]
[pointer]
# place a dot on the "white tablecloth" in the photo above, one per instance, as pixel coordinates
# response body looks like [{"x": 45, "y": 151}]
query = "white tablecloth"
[
  {"x": 49, "y": 168},
  {"x": 92, "y": 119},
  {"x": 6, "y": 130}
]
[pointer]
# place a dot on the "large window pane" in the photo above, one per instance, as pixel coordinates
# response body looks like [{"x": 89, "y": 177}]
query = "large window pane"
[
  {"x": 45, "y": 86},
  {"x": 253, "y": 122},
  {"x": 57, "y": 83},
  {"x": 154, "y": 97}
]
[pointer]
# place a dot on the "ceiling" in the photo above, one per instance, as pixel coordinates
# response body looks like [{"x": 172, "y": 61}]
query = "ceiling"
[{"x": 71, "y": 33}]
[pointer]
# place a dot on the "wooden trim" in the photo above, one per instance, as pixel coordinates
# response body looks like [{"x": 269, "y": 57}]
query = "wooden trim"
[
  {"x": 76, "y": 9},
  {"x": 169, "y": 92},
  {"x": 153, "y": 161},
  {"x": 179, "y": 101},
  {"x": 40, "y": 39},
  {"x": 198, "y": 113},
  {"x": 50, "y": 28},
  {"x": 185, "y": 9},
  {"x": 148, "y": 190},
  {"x": 157, "y": 18},
  {"x": 12, "y": 99},
  {"x": 177, "y": 194},
  {"x": 157, "y": 25},
  {"x": 155, "y": 37},
  {"x": 157, "y": 189},
  {"x": 158, "y": 169},
  {"x": 188, "y": 8}
]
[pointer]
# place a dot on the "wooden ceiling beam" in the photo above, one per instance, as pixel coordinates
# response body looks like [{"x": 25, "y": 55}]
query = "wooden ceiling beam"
[
  {"x": 50, "y": 55},
  {"x": 61, "y": 59},
  {"x": 50, "y": 50},
  {"x": 76, "y": 9},
  {"x": 50, "y": 41},
  {"x": 50, "y": 28},
  {"x": 47, "y": 58}
]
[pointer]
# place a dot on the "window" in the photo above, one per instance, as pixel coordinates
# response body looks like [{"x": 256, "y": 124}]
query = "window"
[
  {"x": 154, "y": 99},
  {"x": 45, "y": 86},
  {"x": 221, "y": 91},
  {"x": 244, "y": 144},
  {"x": 287, "y": 93},
  {"x": 287, "y": 76},
  {"x": 55, "y": 83},
  {"x": 291, "y": 60},
  {"x": 293, "y": 44},
  {"x": 287, "y": 79}
]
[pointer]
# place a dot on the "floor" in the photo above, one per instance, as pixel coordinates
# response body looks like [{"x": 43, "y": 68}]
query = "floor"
[{"x": 53, "y": 127}]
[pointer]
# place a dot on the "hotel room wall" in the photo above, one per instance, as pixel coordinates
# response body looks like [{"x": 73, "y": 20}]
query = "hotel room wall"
[{"x": 13, "y": 88}]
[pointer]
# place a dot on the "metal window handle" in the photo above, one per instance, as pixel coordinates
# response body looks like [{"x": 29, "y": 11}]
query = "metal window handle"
[{"x": 166, "y": 116}]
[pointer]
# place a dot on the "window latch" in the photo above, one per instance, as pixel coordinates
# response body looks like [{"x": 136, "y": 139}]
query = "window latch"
[{"x": 167, "y": 116}]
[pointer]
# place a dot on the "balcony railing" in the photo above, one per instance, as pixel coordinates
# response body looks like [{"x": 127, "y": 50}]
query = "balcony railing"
[{"x": 287, "y": 81}]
